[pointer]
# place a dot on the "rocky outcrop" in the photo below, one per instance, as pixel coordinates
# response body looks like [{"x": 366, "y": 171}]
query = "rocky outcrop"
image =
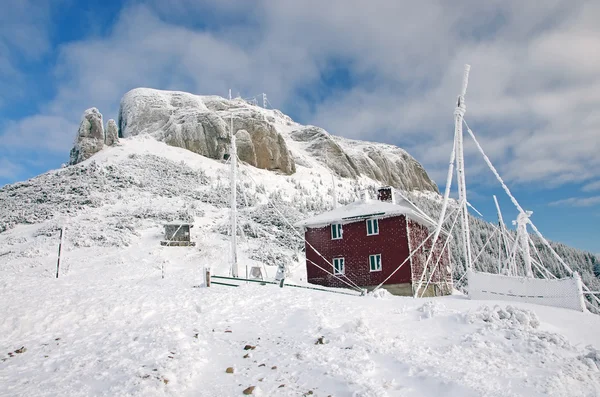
[
  {"x": 111, "y": 133},
  {"x": 266, "y": 148},
  {"x": 201, "y": 124},
  {"x": 90, "y": 137},
  {"x": 393, "y": 166},
  {"x": 322, "y": 146},
  {"x": 245, "y": 147},
  {"x": 348, "y": 158}
]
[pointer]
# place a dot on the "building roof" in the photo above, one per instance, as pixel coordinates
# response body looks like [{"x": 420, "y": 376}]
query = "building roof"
[{"x": 359, "y": 210}]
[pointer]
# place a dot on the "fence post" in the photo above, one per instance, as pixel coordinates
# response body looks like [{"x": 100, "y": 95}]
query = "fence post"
[
  {"x": 207, "y": 277},
  {"x": 281, "y": 283},
  {"x": 62, "y": 231}
]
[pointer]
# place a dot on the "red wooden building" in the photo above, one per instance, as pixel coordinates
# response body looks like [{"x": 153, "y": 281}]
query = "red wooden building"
[{"x": 364, "y": 243}]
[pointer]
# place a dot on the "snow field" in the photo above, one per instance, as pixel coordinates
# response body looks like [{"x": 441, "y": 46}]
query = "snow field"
[
  {"x": 110, "y": 326},
  {"x": 119, "y": 329}
]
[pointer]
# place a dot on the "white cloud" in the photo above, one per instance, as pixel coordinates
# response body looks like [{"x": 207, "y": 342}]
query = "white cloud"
[
  {"x": 592, "y": 186},
  {"x": 8, "y": 169},
  {"x": 40, "y": 133},
  {"x": 534, "y": 88},
  {"x": 577, "y": 202},
  {"x": 24, "y": 38}
]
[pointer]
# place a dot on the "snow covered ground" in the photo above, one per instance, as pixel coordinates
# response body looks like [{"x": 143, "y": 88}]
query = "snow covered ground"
[{"x": 112, "y": 327}]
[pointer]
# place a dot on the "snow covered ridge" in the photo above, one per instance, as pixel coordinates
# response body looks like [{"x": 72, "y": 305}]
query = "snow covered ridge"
[{"x": 266, "y": 138}]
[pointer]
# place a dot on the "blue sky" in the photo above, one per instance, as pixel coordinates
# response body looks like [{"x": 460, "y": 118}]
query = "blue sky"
[{"x": 385, "y": 71}]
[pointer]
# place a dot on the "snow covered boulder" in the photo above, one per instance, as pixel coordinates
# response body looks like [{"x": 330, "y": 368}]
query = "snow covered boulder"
[
  {"x": 112, "y": 133},
  {"x": 245, "y": 147},
  {"x": 349, "y": 158},
  {"x": 322, "y": 146},
  {"x": 389, "y": 164},
  {"x": 201, "y": 124},
  {"x": 269, "y": 147},
  {"x": 90, "y": 137}
]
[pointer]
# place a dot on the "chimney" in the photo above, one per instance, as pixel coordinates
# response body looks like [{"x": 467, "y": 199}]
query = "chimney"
[{"x": 386, "y": 193}]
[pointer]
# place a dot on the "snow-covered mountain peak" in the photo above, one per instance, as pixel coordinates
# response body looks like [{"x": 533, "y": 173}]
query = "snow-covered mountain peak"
[{"x": 267, "y": 138}]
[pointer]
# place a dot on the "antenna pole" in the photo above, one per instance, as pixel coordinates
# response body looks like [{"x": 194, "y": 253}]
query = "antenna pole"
[
  {"x": 523, "y": 240},
  {"x": 333, "y": 192},
  {"x": 264, "y": 96},
  {"x": 502, "y": 237},
  {"x": 459, "y": 114},
  {"x": 233, "y": 176}
]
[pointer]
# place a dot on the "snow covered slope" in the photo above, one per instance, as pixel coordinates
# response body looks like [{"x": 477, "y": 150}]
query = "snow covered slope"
[{"x": 110, "y": 325}]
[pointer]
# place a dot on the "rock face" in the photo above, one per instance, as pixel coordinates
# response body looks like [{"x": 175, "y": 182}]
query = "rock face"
[
  {"x": 348, "y": 158},
  {"x": 322, "y": 146},
  {"x": 388, "y": 164},
  {"x": 90, "y": 137},
  {"x": 202, "y": 124},
  {"x": 112, "y": 133},
  {"x": 260, "y": 144},
  {"x": 266, "y": 139}
]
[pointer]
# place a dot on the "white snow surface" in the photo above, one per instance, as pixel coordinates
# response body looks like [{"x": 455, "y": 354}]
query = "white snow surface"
[{"x": 111, "y": 326}]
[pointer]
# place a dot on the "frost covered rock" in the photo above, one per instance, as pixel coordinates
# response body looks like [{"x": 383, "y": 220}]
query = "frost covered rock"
[
  {"x": 322, "y": 146},
  {"x": 90, "y": 137},
  {"x": 348, "y": 158},
  {"x": 269, "y": 147},
  {"x": 245, "y": 147},
  {"x": 112, "y": 133},
  {"x": 201, "y": 125}
]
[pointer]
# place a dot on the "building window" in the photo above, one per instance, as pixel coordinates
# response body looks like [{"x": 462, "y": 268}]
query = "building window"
[
  {"x": 372, "y": 227},
  {"x": 375, "y": 263},
  {"x": 338, "y": 266},
  {"x": 336, "y": 231}
]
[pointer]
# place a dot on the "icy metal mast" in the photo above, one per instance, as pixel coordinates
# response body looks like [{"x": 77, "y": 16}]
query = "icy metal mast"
[
  {"x": 458, "y": 118},
  {"x": 233, "y": 177},
  {"x": 264, "y": 98},
  {"x": 523, "y": 240},
  {"x": 459, "y": 114},
  {"x": 333, "y": 190}
]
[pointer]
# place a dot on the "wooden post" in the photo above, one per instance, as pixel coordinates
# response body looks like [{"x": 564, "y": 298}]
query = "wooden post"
[
  {"x": 207, "y": 277},
  {"x": 62, "y": 230}
]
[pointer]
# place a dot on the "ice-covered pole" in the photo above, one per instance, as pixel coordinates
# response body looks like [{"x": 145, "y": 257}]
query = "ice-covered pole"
[
  {"x": 502, "y": 236},
  {"x": 333, "y": 190},
  {"x": 522, "y": 220},
  {"x": 459, "y": 114},
  {"x": 233, "y": 176},
  {"x": 453, "y": 156}
]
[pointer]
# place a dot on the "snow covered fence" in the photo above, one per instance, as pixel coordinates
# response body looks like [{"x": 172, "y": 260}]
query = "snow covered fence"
[
  {"x": 264, "y": 282},
  {"x": 566, "y": 292}
]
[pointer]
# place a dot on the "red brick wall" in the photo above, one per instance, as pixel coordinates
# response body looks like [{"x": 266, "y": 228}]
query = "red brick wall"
[
  {"x": 417, "y": 233},
  {"x": 355, "y": 247}
]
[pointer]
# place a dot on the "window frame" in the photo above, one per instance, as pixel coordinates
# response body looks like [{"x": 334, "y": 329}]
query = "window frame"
[
  {"x": 373, "y": 222},
  {"x": 339, "y": 231},
  {"x": 343, "y": 268},
  {"x": 380, "y": 263}
]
